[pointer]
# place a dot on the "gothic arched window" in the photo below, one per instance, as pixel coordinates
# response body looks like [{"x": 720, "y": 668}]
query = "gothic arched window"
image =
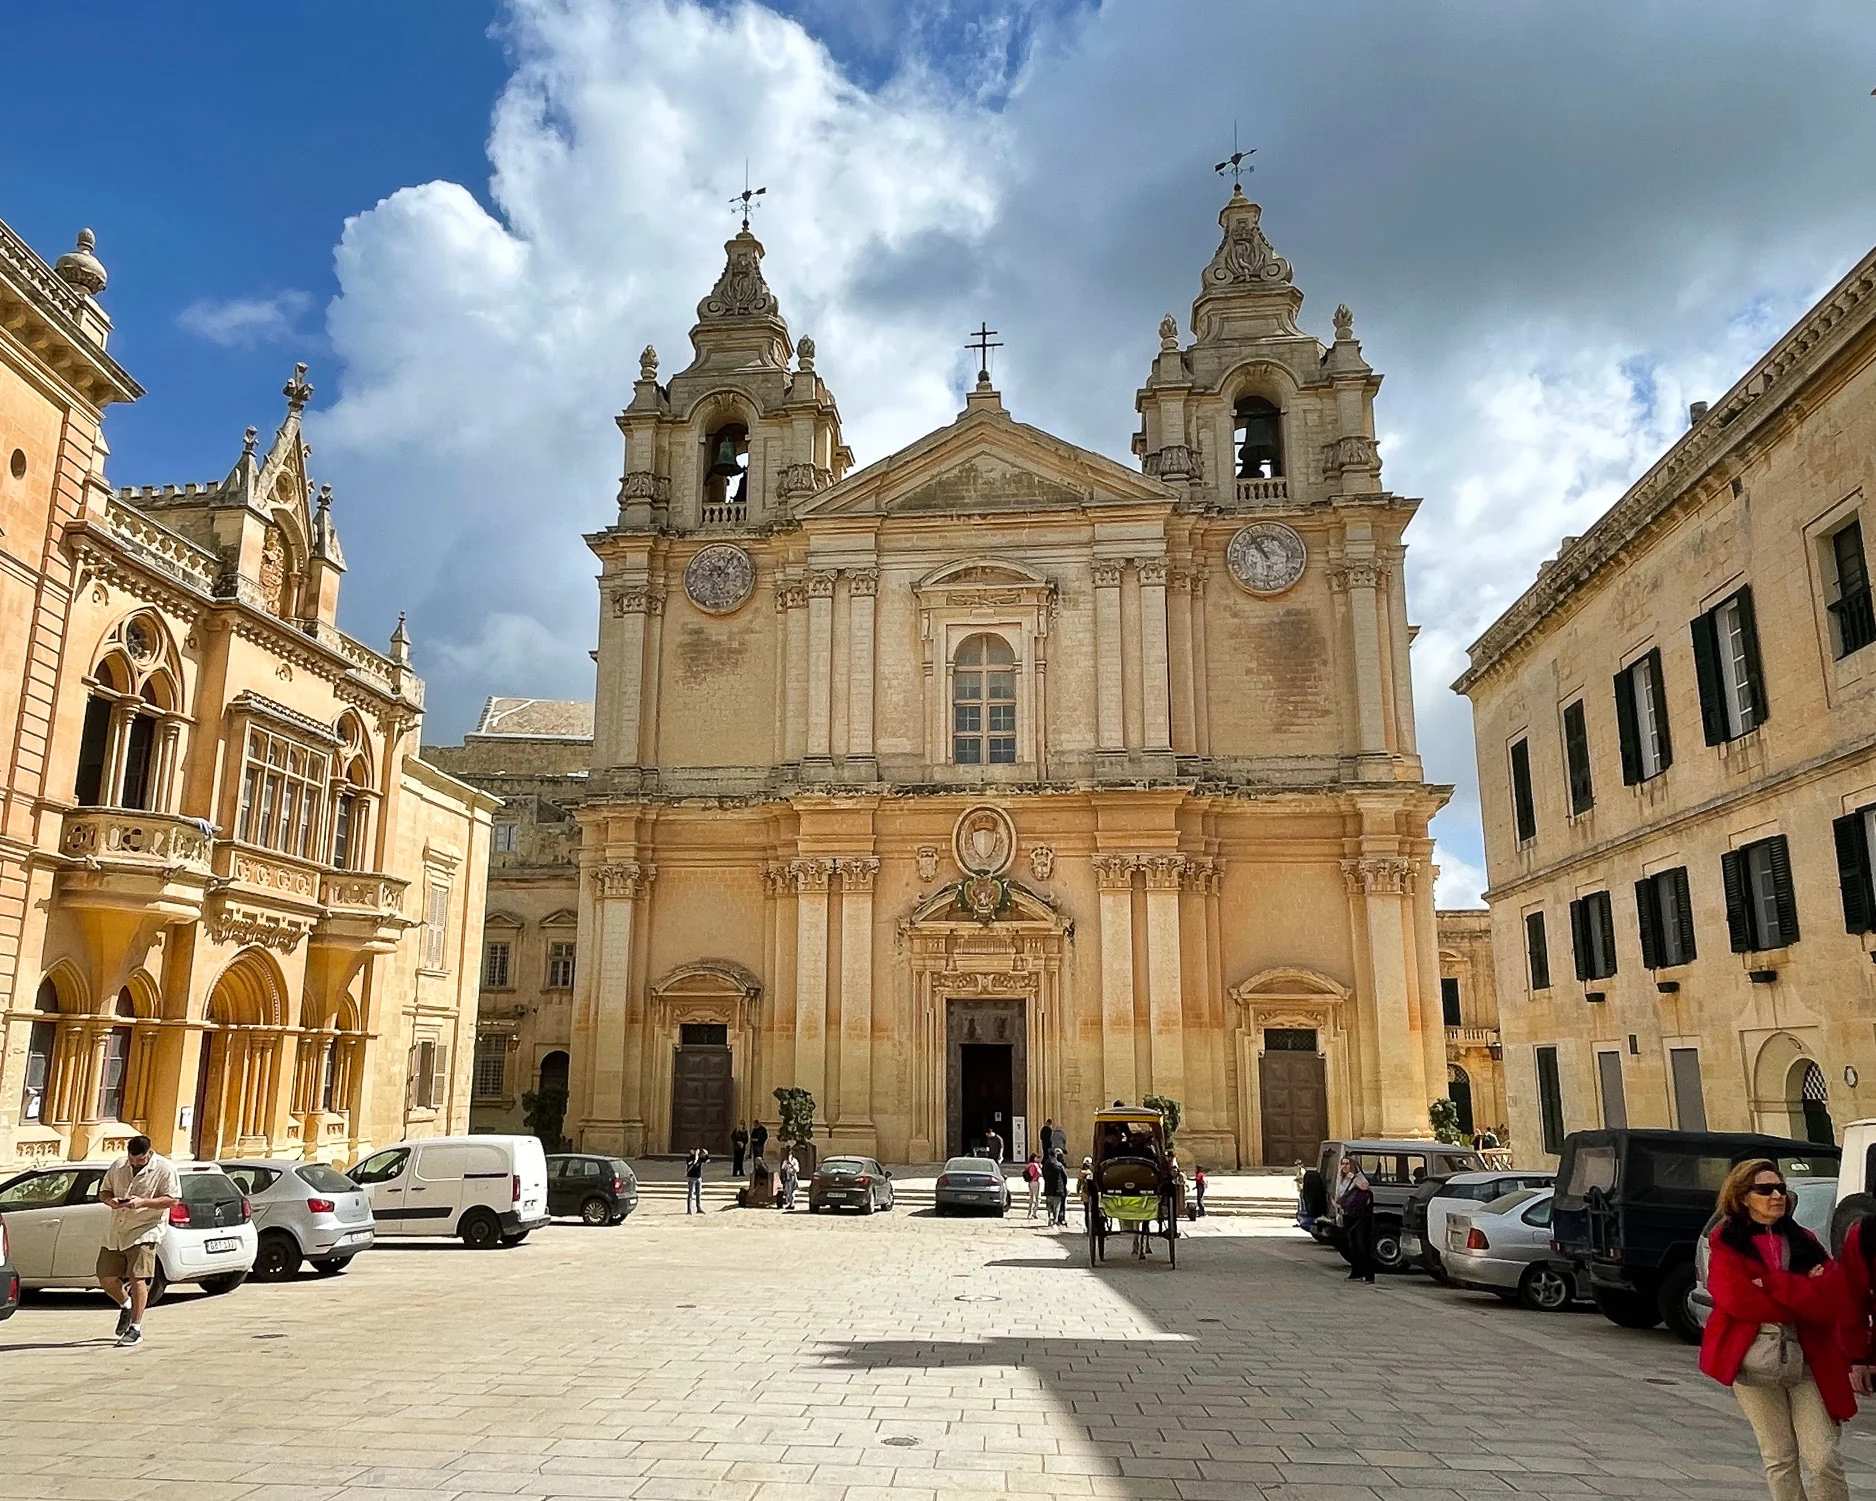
[
  {"x": 726, "y": 474},
  {"x": 1257, "y": 434},
  {"x": 983, "y": 702}
]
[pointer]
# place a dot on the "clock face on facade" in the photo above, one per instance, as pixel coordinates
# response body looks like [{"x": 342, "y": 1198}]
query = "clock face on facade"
[
  {"x": 719, "y": 578},
  {"x": 1266, "y": 557}
]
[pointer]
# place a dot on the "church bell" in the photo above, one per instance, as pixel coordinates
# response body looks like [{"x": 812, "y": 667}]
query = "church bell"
[{"x": 724, "y": 465}]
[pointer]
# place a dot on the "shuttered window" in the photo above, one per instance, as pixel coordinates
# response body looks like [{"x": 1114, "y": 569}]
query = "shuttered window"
[
  {"x": 436, "y": 928},
  {"x": 1690, "y": 1107},
  {"x": 429, "y": 1075},
  {"x": 1641, "y": 717},
  {"x": 1523, "y": 807},
  {"x": 1761, "y": 905},
  {"x": 491, "y": 1066},
  {"x": 1853, "y": 620},
  {"x": 1665, "y": 915},
  {"x": 1614, "y": 1099},
  {"x": 1592, "y": 936},
  {"x": 1537, "y": 949},
  {"x": 1549, "y": 1100},
  {"x": 1852, "y": 833},
  {"x": 1576, "y": 758},
  {"x": 1449, "y": 1000},
  {"x": 1726, "y": 667}
]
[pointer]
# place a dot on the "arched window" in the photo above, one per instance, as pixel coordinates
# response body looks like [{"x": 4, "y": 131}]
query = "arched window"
[
  {"x": 41, "y": 1042},
  {"x": 350, "y": 802},
  {"x": 983, "y": 703},
  {"x": 1257, "y": 434},
  {"x": 554, "y": 1071},
  {"x": 128, "y": 746},
  {"x": 726, "y": 474}
]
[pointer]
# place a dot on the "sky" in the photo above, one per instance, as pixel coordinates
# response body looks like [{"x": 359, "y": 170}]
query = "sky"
[{"x": 1556, "y": 225}]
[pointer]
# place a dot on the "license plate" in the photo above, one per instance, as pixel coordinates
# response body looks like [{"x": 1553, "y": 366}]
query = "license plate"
[{"x": 214, "y": 1246}]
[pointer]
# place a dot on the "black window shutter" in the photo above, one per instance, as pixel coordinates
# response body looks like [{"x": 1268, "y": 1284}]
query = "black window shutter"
[
  {"x": 1648, "y": 919},
  {"x": 1658, "y": 687},
  {"x": 1579, "y": 938},
  {"x": 1755, "y": 675},
  {"x": 1683, "y": 913},
  {"x": 1627, "y": 730},
  {"x": 1524, "y": 808},
  {"x": 1706, "y": 632},
  {"x": 1738, "y": 919},
  {"x": 1853, "y": 873},
  {"x": 1605, "y": 919},
  {"x": 1783, "y": 892},
  {"x": 1576, "y": 758},
  {"x": 1539, "y": 948}
]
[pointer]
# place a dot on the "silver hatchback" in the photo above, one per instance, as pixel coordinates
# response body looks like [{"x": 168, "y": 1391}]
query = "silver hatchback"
[{"x": 304, "y": 1211}]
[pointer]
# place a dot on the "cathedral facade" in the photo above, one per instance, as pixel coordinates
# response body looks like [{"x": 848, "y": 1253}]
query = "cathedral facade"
[{"x": 997, "y": 780}]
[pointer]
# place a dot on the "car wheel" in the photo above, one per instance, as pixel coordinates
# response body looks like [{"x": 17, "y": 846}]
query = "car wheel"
[
  {"x": 1544, "y": 1288},
  {"x": 1672, "y": 1303},
  {"x": 868, "y": 1206},
  {"x": 332, "y": 1266},
  {"x": 1387, "y": 1251},
  {"x": 278, "y": 1258},
  {"x": 596, "y": 1211},
  {"x": 1631, "y": 1310},
  {"x": 159, "y": 1284},
  {"x": 813, "y": 1208},
  {"x": 480, "y": 1230},
  {"x": 227, "y": 1282}
]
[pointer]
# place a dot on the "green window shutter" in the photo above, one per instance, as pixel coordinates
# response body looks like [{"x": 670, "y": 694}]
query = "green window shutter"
[
  {"x": 1684, "y": 913},
  {"x": 1755, "y": 674},
  {"x": 1648, "y": 919},
  {"x": 1628, "y": 730},
  {"x": 1524, "y": 807},
  {"x": 1537, "y": 946},
  {"x": 1853, "y": 872},
  {"x": 1579, "y": 938},
  {"x": 1784, "y": 894},
  {"x": 1605, "y": 923},
  {"x": 1576, "y": 758},
  {"x": 1738, "y": 919},
  {"x": 1706, "y": 634},
  {"x": 1658, "y": 686}
]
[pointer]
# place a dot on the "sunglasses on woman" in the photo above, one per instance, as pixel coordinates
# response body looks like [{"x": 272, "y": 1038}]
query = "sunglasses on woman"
[{"x": 1776, "y": 1190}]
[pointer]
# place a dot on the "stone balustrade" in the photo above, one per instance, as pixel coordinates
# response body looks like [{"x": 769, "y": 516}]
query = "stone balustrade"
[
  {"x": 1264, "y": 491},
  {"x": 120, "y": 836},
  {"x": 360, "y": 891},
  {"x": 1473, "y": 1037}
]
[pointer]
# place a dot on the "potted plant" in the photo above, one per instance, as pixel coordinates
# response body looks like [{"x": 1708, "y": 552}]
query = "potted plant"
[{"x": 797, "y": 1127}]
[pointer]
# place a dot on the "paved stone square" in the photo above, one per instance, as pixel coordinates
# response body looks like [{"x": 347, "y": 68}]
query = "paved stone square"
[{"x": 755, "y": 1356}]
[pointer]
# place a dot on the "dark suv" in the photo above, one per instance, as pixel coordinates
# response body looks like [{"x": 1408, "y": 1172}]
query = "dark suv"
[
  {"x": 1394, "y": 1169},
  {"x": 600, "y": 1190},
  {"x": 1630, "y": 1207}
]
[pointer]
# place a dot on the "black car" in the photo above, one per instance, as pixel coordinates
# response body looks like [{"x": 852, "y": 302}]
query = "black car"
[
  {"x": 600, "y": 1190},
  {"x": 1630, "y": 1207}
]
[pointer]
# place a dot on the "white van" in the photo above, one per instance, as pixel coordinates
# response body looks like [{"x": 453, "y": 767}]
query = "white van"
[{"x": 490, "y": 1190}]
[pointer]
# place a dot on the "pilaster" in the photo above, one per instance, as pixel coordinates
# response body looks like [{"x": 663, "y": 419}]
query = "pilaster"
[
  {"x": 853, "y": 1116},
  {"x": 820, "y": 665},
  {"x": 1113, "y": 875},
  {"x": 1361, "y": 579},
  {"x": 1109, "y": 724},
  {"x": 1155, "y": 684},
  {"x": 1381, "y": 894},
  {"x": 862, "y": 591},
  {"x": 1165, "y": 995},
  {"x": 810, "y": 878}
]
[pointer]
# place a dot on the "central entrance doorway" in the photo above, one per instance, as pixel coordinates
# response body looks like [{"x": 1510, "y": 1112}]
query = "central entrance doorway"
[
  {"x": 1294, "y": 1094},
  {"x": 701, "y": 1088},
  {"x": 986, "y": 1073}
]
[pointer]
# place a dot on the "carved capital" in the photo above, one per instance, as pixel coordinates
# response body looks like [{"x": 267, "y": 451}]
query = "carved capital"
[
  {"x": 1204, "y": 874},
  {"x": 1107, "y": 574},
  {"x": 1115, "y": 872},
  {"x": 1378, "y": 875},
  {"x": 863, "y": 582},
  {"x": 821, "y": 585},
  {"x": 1152, "y": 573},
  {"x": 638, "y": 601},
  {"x": 810, "y": 874},
  {"x": 1350, "y": 453},
  {"x": 799, "y": 479},
  {"x": 642, "y": 484},
  {"x": 624, "y": 878},
  {"x": 1163, "y": 872},
  {"x": 857, "y": 873},
  {"x": 1173, "y": 463}
]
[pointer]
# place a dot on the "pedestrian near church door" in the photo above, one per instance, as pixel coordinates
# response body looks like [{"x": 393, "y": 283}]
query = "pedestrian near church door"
[
  {"x": 1293, "y": 1095},
  {"x": 702, "y": 1089}
]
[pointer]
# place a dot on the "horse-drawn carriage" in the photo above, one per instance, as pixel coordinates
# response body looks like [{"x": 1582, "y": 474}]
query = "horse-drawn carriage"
[{"x": 1133, "y": 1185}]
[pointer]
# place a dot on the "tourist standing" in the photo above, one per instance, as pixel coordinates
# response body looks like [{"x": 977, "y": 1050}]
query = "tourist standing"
[
  {"x": 1198, "y": 1190},
  {"x": 759, "y": 1141},
  {"x": 1032, "y": 1175},
  {"x": 139, "y": 1189},
  {"x": 1049, "y": 1143},
  {"x": 1778, "y": 1300},
  {"x": 1055, "y": 1187},
  {"x": 1356, "y": 1199},
  {"x": 791, "y": 1172},
  {"x": 993, "y": 1145},
  {"x": 739, "y": 1148},
  {"x": 693, "y": 1178}
]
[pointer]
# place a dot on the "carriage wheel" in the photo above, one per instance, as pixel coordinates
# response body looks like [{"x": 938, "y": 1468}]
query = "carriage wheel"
[
  {"x": 1169, "y": 1210},
  {"x": 1094, "y": 1244}
]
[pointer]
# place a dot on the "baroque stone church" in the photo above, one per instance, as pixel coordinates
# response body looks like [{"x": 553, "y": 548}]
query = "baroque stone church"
[{"x": 997, "y": 780}]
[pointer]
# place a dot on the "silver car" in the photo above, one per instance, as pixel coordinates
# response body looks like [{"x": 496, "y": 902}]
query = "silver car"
[
  {"x": 304, "y": 1211},
  {"x": 972, "y": 1183},
  {"x": 1816, "y": 1201},
  {"x": 1504, "y": 1247}
]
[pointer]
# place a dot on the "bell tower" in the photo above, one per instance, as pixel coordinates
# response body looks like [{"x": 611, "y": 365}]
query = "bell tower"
[{"x": 737, "y": 438}]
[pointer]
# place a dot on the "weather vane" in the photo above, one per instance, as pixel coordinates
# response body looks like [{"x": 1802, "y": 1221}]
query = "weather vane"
[
  {"x": 744, "y": 201},
  {"x": 1238, "y": 163},
  {"x": 983, "y": 341}
]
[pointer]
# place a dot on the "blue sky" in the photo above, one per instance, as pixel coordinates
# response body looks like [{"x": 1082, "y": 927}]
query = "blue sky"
[{"x": 1556, "y": 225}]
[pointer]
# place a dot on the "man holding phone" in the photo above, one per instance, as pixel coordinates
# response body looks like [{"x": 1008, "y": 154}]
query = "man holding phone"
[{"x": 139, "y": 1189}]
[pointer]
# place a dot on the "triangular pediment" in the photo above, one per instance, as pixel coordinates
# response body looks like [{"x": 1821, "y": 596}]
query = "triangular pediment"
[{"x": 985, "y": 462}]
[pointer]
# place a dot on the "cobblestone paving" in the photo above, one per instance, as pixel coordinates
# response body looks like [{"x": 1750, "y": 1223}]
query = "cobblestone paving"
[{"x": 751, "y": 1356}]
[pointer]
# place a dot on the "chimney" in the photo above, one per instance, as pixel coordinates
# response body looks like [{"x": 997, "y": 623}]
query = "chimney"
[{"x": 1695, "y": 411}]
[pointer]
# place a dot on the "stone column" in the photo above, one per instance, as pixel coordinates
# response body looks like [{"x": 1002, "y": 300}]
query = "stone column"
[
  {"x": 1201, "y": 670},
  {"x": 1109, "y": 729},
  {"x": 1165, "y": 993},
  {"x": 1113, "y": 875},
  {"x": 795, "y": 686},
  {"x": 820, "y": 665},
  {"x": 1179, "y": 654},
  {"x": 163, "y": 788},
  {"x": 117, "y": 754},
  {"x": 1397, "y": 1088},
  {"x": 615, "y": 1116},
  {"x": 811, "y": 879},
  {"x": 630, "y": 605},
  {"x": 1403, "y": 659},
  {"x": 862, "y": 589},
  {"x": 1155, "y": 687},
  {"x": 1360, "y": 578},
  {"x": 853, "y": 1119}
]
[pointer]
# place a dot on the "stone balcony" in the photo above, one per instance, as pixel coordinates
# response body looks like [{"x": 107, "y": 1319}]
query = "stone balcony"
[
  {"x": 1264, "y": 492},
  {"x": 126, "y": 860},
  {"x": 1469, "y": 1039},
  {"x": 364, "y": 911}
]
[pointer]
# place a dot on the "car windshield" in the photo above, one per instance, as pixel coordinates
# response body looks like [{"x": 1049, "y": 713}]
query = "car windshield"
[
  {"x": 322, "y": 1179},
  {"x": 209, "y": 1188},
  {"x": 1590, "y": 1167},
  {"x": 37, "y": 1191},
  {"x": 1505, "y": 1203},
  {"x": 843, "y": 1167},
  {"x": 1808, "y": 1167},
  {"x": 252, "y": 1180},
  {"x": 970, "y": 1165}
]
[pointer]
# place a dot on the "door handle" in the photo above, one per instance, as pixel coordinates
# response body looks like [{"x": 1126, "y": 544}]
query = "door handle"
[{"x": 418, "y": 1188}]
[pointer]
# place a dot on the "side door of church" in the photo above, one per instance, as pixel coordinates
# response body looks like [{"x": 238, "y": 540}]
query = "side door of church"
[
  {"x": 1294, "y": 1096},
  {"x": 701, "y": 1090}
]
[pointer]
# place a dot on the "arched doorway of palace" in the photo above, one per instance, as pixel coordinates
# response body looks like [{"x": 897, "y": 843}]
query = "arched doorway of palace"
[{"x": 238, "y": 1072}]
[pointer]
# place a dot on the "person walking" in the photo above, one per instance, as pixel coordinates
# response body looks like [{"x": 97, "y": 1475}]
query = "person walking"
[
  {"x": 791, "y": 1174},
  {"x": 1356, "y": 1199},
  {"x": 1055, "y": 1187},
  {"x": 1198, "y": 1190},
  {"x": 739, "y": 1148},
  {"x": 1032, "y": 1175},
  {"x": 139, "y": 1189},
  {"x": 1778, "y": 1303},
  {"x": 1049, "y": 1143},
  {"x": 993, "y": 1145},
  {"x": 693, "y": 1178}
]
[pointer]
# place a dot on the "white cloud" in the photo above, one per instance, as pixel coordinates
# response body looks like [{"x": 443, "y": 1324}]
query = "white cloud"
[
  {"x": 243, "y": 322},
  {"x": 1460, "y": 882}
]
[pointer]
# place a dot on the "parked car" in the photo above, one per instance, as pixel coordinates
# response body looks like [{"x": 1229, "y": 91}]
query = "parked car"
[
  {"x": 1394, "y": 1169},
  {"x": 1856, "y": 1176},
  {"x": 1503, "y": 1247},
  {"x": 488, "y": 1190},
  {"x": 56, "y": 1226},
  {"x": 1423, "y": 1221},
  {"x": 850, "y": 1183},
  {"x": 1816, "y": 1198},
  {"x": 303, "y": 1211},
  {"x": 1630, "y": 1205},
  {"x": 600, "y": 1190},
  {"x": 972, "y": 1183},
  {"x": 9, "y": 1278}
]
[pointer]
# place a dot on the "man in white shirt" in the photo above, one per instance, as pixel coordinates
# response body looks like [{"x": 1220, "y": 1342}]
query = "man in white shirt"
[{"x": 139, "y": 1189}]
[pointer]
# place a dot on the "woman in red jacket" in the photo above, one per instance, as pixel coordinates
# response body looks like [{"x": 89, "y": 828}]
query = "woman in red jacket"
[{"x": 1778, "y": 1308}]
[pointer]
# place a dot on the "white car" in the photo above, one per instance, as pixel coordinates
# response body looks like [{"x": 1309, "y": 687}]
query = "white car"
[
  {"x": 1815, "y": 1198},
  {"x": 57, "y": 1226},
  {"x": 1423, "y": 1236},
  {"x": 489, "y": 1190}
]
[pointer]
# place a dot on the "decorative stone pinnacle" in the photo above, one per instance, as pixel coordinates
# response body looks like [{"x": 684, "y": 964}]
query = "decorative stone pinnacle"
[
  {"x": 1168, "y": 334},
  {"x": 248, "y": 440},
  {"x": 740, "y": 291},
  {"x": 1344, "y": 323},
  {"x": 79, "y": 267},
  {"x": 400, "y": 642},
  {"x": 325, "y": 504},
  {"x": 648, "y": 363},
  {"x": 298, "y": 391},
  {"x": 804, "y": 354}
]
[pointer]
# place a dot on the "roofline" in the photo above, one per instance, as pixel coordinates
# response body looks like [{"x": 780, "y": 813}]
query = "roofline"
[{"x": 62, "y": 307}]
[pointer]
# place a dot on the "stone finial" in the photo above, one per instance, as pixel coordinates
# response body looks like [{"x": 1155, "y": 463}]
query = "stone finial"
[
  {"x": 298, "y": 390},
  {"x": 80, "y": 268},
  {"x": 648, "y": 363},
  {"x": 804, "y": 354},
  {"x": 248, "y": 440},
  {"x": 400, "y": 642},
  {"x": 1344, "y": 323},
  {"x": 740, "y": 292},
  {"x": 1244, "y": 257},
  {"x": 325, "y": 497},
  {"x": 1168, "y": 334}
]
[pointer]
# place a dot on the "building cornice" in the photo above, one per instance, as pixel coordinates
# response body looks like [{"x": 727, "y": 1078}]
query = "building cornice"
[{"x": 50, "y": 316}]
